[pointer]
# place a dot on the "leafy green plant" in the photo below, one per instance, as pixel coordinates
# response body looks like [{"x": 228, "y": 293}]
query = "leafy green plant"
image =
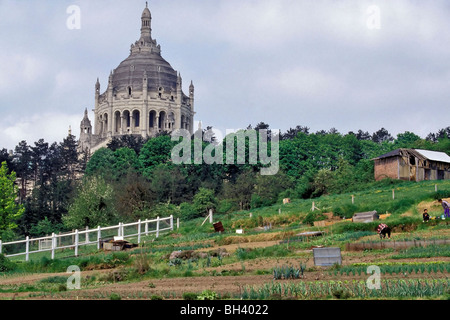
[
  {"x": 6, "y": 265},
  {"x": 190, "y": 296},
  {"x": 115, "y": 296},
  {"x": 207, "y": 295}
]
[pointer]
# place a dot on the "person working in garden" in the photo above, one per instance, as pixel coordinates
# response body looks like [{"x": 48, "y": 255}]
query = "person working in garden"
[
  {"x": 384, "y": 230},
  {"x": 446, "y": 207},
  {"x": 426, "y": 216}
]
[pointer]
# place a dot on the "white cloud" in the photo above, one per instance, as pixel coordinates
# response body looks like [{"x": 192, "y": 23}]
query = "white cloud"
[
  {"x": 52, "y": 127},
  {"x": 251, "y": 61}
]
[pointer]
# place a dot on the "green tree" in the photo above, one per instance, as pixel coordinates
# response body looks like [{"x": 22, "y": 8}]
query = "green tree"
[
  {"x": 10, "y": 211},
  {"x": 240, "y": 192},
  {"x": 268, "y": 188},
  {"x": 101, "y": 163},
  {"x": 406, "y": 140},
  {"x": 133, "y": 196},
  {"x": 204, "y": 200},
  {"x": 93, "y": 205},
  {"x": 125, "y": 160},
  {"x": 156, "y": 151}
]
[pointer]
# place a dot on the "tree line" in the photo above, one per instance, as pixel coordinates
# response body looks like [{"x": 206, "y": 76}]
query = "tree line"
[{"x": 133, "y": 178}]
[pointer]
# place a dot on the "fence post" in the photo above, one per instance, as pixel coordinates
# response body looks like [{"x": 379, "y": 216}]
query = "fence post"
[
  {"x": 157, "y": 227},
  {"x": 87, "y": 235},
  {"x": 27, "y": 248},
  {"x": 53, "y": 245},
  {"x": 139, "y": 231},
  {"x": 435, "y": 187},
  {"x": 99, "y": 236},
  {"x": 178, "y": 225},
  {"x": 76, "y": 243},
  {"x": 0, "y": 246},
  {"x": 171, "y": 222},
  {"x": 146, "y": 227},
  {"x": 353, "y": 199},
  {"x": 393, "y": 194}
]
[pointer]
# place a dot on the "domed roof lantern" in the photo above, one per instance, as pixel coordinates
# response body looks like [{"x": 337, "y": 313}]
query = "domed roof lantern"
[{"x": 146, "y": 26}]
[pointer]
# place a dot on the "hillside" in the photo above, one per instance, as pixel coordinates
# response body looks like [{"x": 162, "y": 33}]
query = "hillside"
[{"x": 194, "y": 261}]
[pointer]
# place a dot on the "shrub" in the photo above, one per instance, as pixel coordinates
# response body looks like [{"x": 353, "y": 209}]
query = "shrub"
[
  {"x": 207, "y": 295},
  {"x": 5, "y": 264},
  {"x": 440, "y": 194},
  {"x": 55, "y": 279},
  {"x": 156, "y": 297},
  {"x": 227, "y": 206},
  {"x": 115, "y": 296},
  {"x": 314, "y": 216},
  {"x": 188, "y": 211},
  {"x": 190, "y": 296},
  {"x": 347, "y": 210}
]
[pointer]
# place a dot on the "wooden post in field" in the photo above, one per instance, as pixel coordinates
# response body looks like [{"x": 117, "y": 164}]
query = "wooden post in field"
[
  {"x": 99, "y": 236},
  {"x": 353, "y": 199},
  {"x": 76, "y": 243},
  {"x": 146, "y": 227},
  {"x": 313, "y": 206},
  {"x": 435, "y": 187},
  {"x": 178, "y": 223},
  {"x": 0, "y": 246},
  {"x": 279, "y": 210},
  {"x": 27, "y": 248},
  {"x": 393, "y": 194},
  {"x": 210, "y": 216},
  {"x": 171, "y": 222}
]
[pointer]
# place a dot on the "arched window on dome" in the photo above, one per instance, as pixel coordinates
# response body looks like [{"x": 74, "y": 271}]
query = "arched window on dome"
[
  {"x": 127, "y": 119},
  {"x": 152, "y": 119},
  {"x": 136, "y": 118},
  {"x": 118, "y": 122},
  {"x": 162, "y": 121}
]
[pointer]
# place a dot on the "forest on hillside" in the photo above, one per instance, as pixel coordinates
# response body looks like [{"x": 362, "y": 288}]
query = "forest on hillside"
[{"x": 58, "y": 189}]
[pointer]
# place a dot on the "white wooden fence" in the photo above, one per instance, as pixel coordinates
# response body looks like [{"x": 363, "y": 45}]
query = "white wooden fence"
[{"x": 55, "y": 241}]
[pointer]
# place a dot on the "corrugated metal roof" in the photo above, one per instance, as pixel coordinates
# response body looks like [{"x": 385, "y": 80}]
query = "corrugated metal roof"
[
  {"x": 419, "y": 153},
  {"x": 434, "y": 155}
]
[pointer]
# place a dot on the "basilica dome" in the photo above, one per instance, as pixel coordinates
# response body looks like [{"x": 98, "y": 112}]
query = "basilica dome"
[{"x": 130, "y": 72}]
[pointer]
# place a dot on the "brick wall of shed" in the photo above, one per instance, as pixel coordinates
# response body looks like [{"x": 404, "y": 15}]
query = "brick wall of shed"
[{"x": 386, "y": 168}]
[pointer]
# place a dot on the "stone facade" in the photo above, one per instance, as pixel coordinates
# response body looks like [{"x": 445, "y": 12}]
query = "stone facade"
[{"x": 144, "y": 97}]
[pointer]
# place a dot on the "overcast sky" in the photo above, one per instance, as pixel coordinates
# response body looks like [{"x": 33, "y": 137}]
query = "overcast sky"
[{"x": 316, "y": 63}]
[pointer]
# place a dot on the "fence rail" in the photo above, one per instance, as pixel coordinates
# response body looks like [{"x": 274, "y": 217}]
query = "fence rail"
[{"x": 55, "y": 241}]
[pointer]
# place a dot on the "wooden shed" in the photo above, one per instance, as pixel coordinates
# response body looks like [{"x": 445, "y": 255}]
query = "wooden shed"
[
  {"x": 365, "y": 216},
  {"x": 412, "y": 165}
]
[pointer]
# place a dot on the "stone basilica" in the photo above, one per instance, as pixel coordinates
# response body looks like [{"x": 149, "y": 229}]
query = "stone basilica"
[{"x": 144, "y": 96}]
